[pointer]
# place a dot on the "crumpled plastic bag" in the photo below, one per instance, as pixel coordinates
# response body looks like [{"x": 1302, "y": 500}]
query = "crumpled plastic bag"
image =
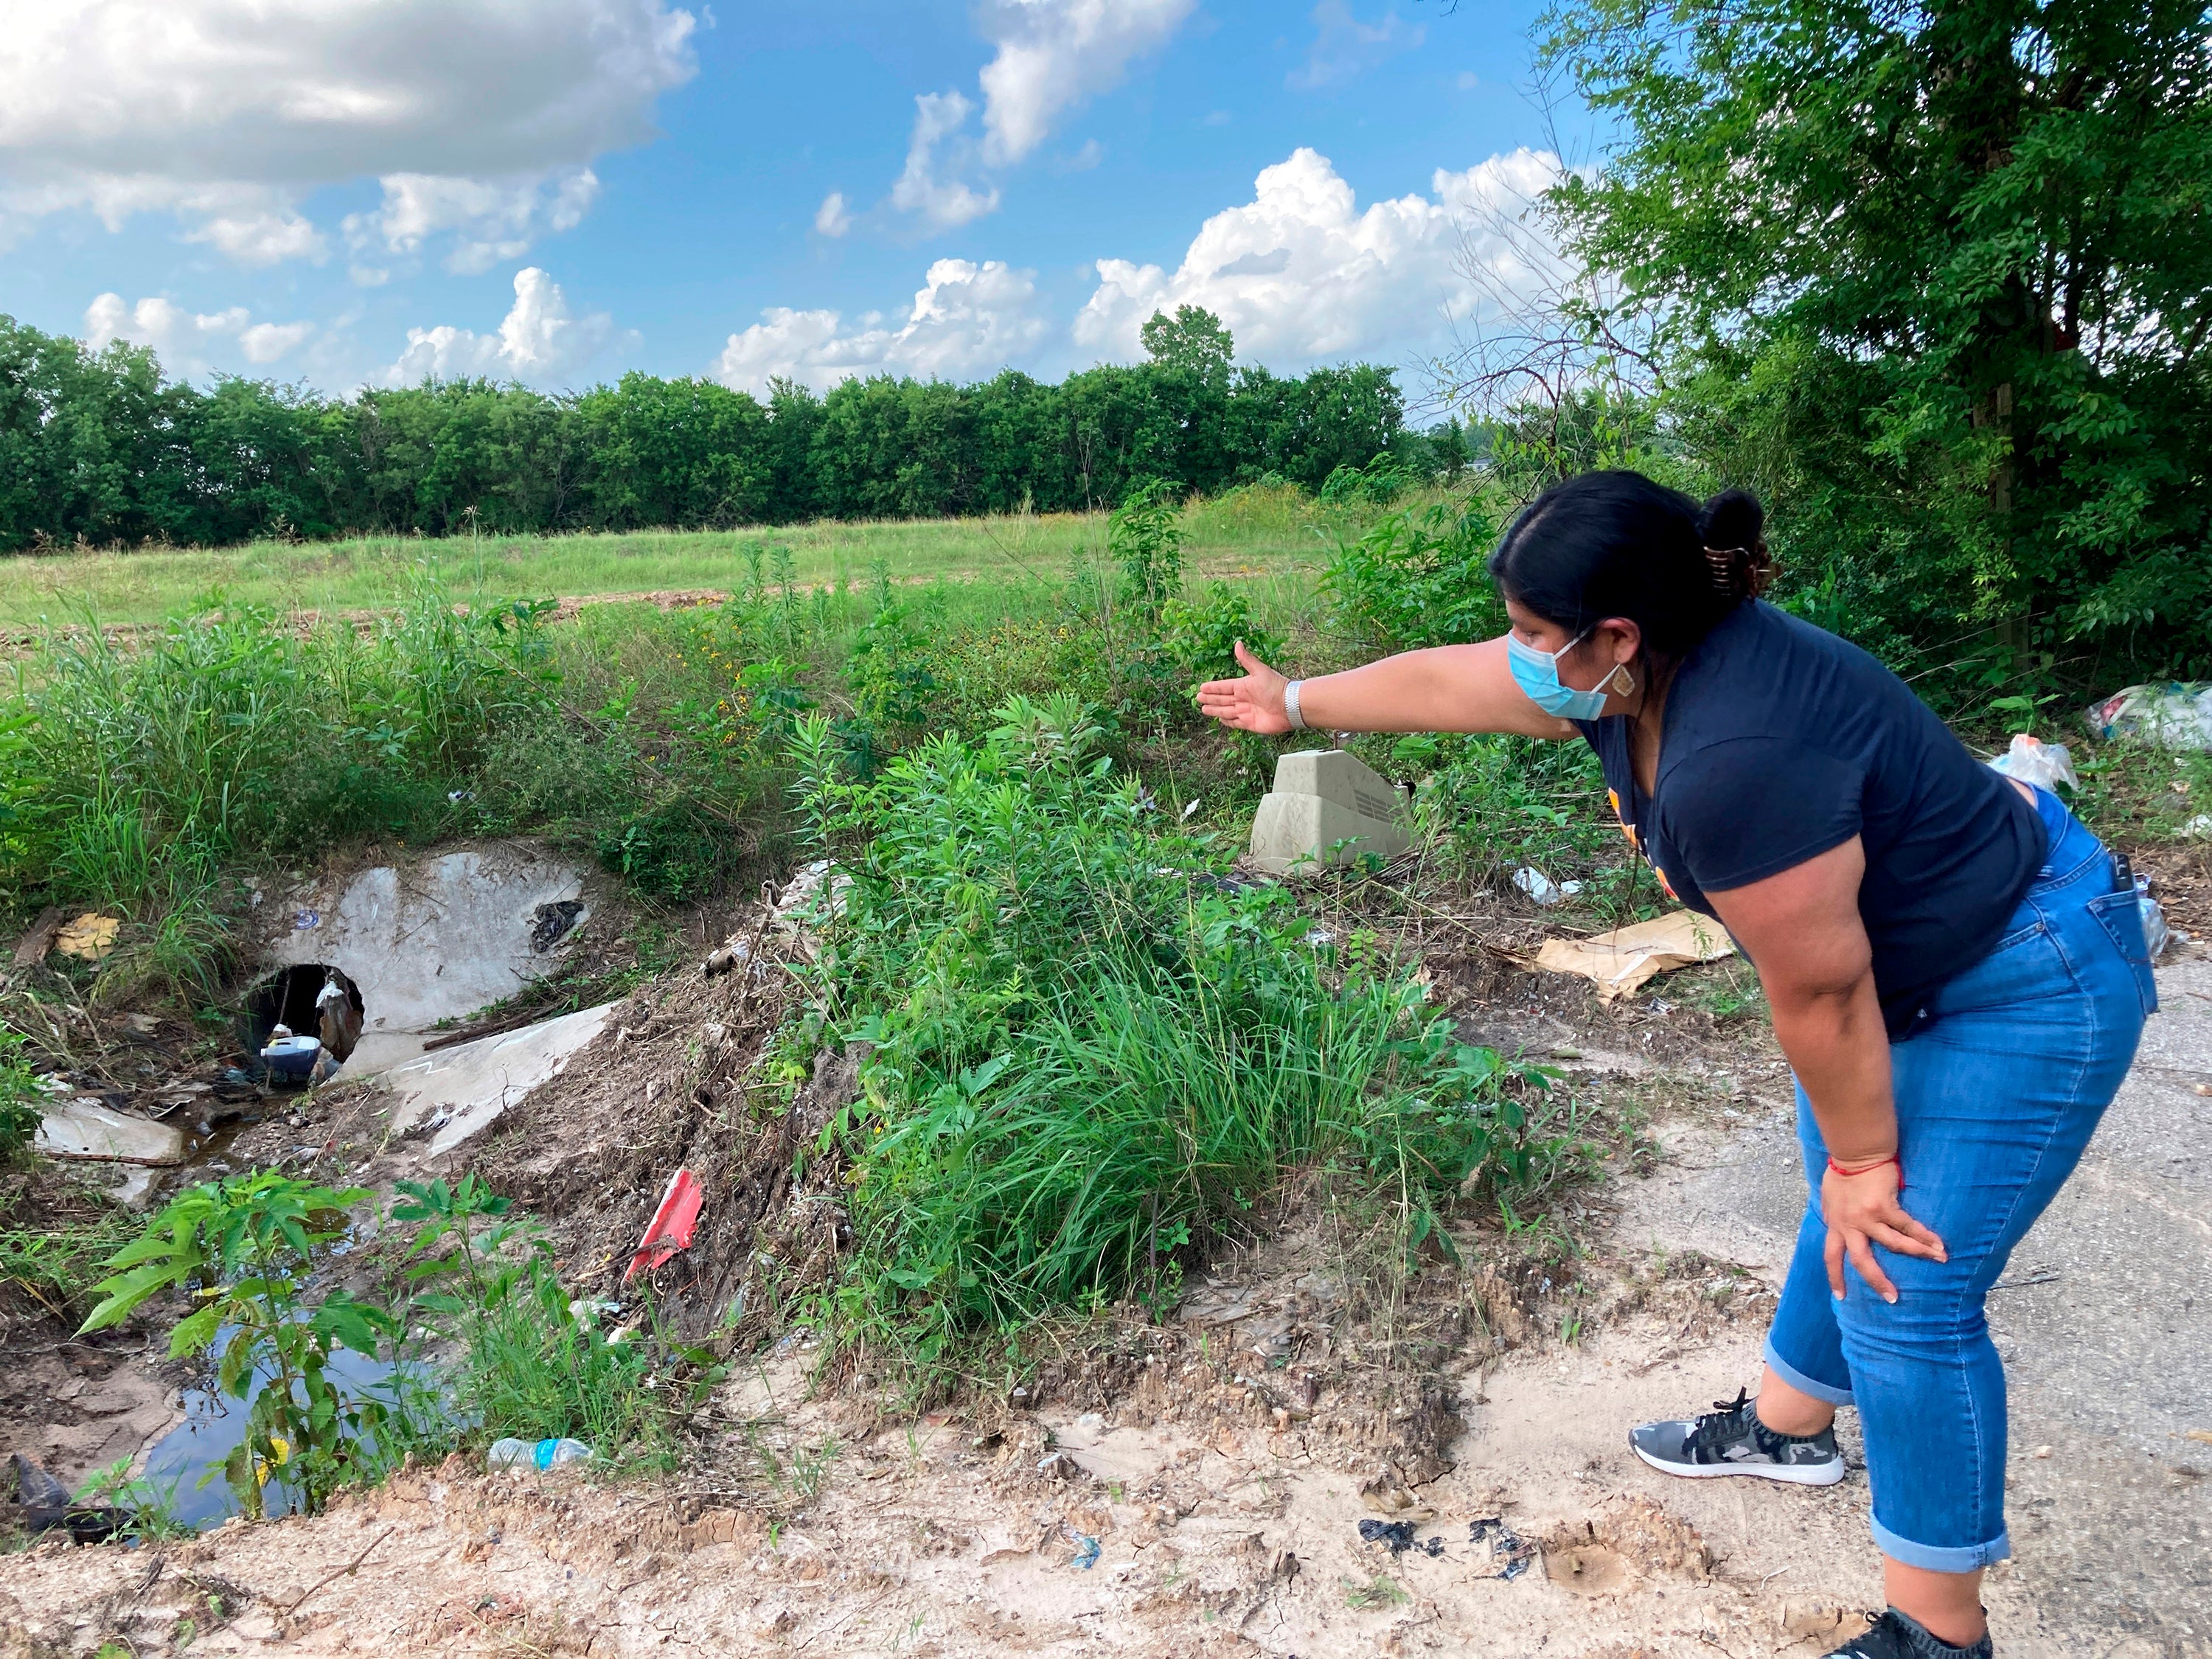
[
  {"x": 2173, "y": 714},
  {"x": 2032, "y": 760}
]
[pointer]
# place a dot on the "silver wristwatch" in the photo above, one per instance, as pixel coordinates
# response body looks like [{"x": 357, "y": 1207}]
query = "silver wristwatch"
[{"x": 1290, "y": 705}]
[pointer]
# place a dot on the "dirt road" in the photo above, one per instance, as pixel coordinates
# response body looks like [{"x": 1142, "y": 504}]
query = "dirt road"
[{"x": 1148, "y": 1528}]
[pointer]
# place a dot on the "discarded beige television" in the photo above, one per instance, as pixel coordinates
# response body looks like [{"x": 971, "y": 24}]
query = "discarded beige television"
[{"x": 1327, "y": 807}]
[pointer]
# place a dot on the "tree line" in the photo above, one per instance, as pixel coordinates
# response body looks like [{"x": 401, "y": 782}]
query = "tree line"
[{"x": 100, "y": 446}]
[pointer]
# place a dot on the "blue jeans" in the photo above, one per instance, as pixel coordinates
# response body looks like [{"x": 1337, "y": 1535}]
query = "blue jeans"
[{"x": 1998, "y": 1090}]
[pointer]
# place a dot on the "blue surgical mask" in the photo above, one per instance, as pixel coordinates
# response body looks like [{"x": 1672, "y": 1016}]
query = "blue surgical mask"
[{"x": 1537, "y": 672}]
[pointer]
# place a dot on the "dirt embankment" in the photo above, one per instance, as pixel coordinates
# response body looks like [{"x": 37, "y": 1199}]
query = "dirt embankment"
[{"x": 1307, "y": 1459}]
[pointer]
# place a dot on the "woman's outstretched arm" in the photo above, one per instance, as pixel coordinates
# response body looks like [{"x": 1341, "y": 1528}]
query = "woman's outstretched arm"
[{"x": 1447, "y": 688}]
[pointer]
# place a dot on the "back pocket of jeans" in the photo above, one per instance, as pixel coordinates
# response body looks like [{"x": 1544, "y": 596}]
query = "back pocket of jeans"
[{"x": 2120, "y": 914}]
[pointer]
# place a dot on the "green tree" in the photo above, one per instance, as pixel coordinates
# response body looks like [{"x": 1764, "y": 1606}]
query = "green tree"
[
  {"x": 676, "y": 452},
  {"x": 1194, "y": 340},
  {"x": 1937, "y": 278}
]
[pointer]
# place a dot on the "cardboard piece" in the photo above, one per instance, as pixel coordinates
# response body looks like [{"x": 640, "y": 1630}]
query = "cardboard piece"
[
  {"x": 1322, "y": 797},
  {"x": 1619, "y": 962},
  {"x": 89, "y": 938}
]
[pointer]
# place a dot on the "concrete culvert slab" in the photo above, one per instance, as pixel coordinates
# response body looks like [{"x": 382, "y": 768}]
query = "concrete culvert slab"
[{"x": 431, "y": 939}]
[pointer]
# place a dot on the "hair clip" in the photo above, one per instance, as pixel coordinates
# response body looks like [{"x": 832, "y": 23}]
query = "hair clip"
[{"x": 1742, "y": 572}]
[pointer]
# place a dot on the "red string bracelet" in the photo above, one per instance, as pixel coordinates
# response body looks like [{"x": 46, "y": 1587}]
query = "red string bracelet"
[{"x": 1863, "y": 1169}]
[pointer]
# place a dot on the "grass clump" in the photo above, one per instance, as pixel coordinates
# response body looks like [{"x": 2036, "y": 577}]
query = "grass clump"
[
  {"x": 523, "y": 1357},
  {"x": 1089, "y": 1054}
]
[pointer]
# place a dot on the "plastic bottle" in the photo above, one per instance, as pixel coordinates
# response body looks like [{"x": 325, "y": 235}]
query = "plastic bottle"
[{"x": 513, "y": 1453}]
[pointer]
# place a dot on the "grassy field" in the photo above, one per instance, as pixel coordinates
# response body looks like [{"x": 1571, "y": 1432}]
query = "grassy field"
[{"x": 1247, "y": 533}]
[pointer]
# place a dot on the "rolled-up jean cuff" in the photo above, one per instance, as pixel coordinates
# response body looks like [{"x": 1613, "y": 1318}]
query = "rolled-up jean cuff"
[
  {"x": 1937, "y": 1558},
  {"x": 1804, "y": 1384}
]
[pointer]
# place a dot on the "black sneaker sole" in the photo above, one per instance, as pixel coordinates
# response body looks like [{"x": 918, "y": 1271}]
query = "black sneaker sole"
[{"x": 1795, "y": 1474}]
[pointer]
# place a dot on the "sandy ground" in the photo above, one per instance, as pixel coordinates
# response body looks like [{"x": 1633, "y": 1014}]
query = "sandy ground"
[{"x": 1224, "y": 1525}]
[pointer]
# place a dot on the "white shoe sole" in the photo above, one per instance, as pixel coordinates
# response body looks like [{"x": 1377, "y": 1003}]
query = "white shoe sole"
[{"x": 1825, "y": 1474}]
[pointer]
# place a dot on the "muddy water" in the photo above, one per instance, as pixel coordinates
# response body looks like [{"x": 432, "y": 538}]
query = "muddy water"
[{"x": 184, "y": 1471}]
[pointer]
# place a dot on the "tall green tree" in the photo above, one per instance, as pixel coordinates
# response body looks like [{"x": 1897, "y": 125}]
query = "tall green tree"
[
  {"x": 1936, "y": 276},
  {"x": 1194, "y": 340}
]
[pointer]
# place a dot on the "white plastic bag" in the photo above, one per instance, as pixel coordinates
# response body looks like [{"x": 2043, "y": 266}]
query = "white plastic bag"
[
  {"x": 1541, "y": 888},
  {"x": 2032, "y": 760},
  {"x": 2175, "y": 714},
  {"x": 2156, "y": 935}
]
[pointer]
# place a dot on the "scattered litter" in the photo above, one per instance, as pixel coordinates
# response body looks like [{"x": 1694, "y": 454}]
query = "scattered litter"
[
  {"x": 2032, "y": 760},
  {"x": 1541, "y": 888},
  {"x": 41, "y": 1498},
  {"x": 1507, "y": 1548},
  {"x": 805, "y": 884},
  {"x": 337, "y": 1021},
  {"x": 289, "y": 1057},
  {"x": 1086, "y": 1550},
  {"x": 727, "y": 959},
  {"x": 1319, "y": 937},
  {"x": 1059, "y": 1466},
  {"x": 2173, "y": 714},
  {"x": 89, "y": 938},
  {"x": 306, "y": 920},
  {"x": 671, "y": 1226},
  {"x": 1398, "y": 1537},
  {"x": 513, "y": 1453},
  {"x": 1619, "y": 962},
  {"x": 550, "y": 923},
  {"x": 2199, "y": 827},
  {"x": 42, "y": 1503}
]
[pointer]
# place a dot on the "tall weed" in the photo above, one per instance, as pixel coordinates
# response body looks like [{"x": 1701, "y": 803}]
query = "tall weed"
[
  {"x": 1418, "y": 577},
  {"x": 1090, "y": 1053}
]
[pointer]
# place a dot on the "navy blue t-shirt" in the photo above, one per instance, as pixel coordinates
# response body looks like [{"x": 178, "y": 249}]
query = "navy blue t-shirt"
[{"x": 1781, "y": 741}]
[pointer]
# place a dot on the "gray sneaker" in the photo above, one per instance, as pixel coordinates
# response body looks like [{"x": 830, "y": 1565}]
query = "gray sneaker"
[
  {"x": 1895, "y": 1635},
  {"x": 1731, "y": 1440}
]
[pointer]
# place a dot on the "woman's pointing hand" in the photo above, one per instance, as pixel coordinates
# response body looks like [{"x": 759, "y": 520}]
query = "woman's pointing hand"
[{"x": 1252, "y": 703}]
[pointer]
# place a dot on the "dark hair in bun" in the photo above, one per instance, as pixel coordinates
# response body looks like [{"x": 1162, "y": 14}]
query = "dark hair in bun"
[{"x": 1616, "y": 544}]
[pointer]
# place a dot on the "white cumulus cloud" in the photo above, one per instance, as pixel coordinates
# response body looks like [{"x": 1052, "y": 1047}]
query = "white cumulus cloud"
[
  {"x": 1054, "y": 54},
  {"x": 967, "y": 319},
  {"x": 1301, "y": 273},
  {"x": 832, "y": 218},
  {"x": 229, "y": 113},
  {"x": 491, "y": 219},
  {"x": 539, "y": 341},
  {"x": 1051, "y": 56},
  {"x": 922, "y": 189},
  {"x": 190, "y": 343}
]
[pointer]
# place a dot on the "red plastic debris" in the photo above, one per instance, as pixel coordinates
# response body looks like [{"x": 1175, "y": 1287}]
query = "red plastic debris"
[{"x": 672, "y": 1224}]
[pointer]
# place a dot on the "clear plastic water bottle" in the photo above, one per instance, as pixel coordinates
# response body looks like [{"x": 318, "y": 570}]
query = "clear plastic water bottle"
[{"x": 513, "y": 1453}]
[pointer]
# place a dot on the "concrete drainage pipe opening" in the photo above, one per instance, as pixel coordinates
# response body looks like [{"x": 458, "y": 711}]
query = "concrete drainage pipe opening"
[{"x": 313, "y": 999}]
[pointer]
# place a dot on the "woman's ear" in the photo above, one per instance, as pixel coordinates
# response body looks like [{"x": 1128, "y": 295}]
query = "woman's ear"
[{"x": 1621, "y": 639}]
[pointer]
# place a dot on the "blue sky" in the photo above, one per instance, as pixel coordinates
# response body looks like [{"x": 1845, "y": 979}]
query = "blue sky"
[{"x": 351, "y": 191}]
